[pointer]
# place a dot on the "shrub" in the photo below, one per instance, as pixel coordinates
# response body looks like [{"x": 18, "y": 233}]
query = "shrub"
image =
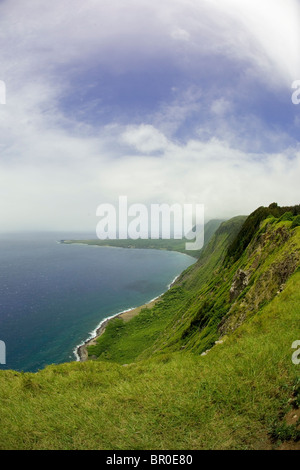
[
  {"x": 286, "y": 216},
  {"x": 296, "y": 221}
]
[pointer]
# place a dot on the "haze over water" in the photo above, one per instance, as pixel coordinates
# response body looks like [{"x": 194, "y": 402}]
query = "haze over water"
[{"x": 53, "y": 295}]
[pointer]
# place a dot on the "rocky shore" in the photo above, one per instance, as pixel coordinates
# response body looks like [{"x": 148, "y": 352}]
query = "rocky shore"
[{"x": 82, "y": 351}]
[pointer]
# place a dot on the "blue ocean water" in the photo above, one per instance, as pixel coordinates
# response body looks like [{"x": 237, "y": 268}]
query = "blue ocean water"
[{"x": 53, "y": 295}]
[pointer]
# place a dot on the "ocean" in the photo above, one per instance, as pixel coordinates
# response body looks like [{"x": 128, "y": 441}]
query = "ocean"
[{"x": 52, "y": 295}]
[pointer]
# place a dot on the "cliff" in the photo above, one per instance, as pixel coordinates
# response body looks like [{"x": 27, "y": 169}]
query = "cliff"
[{"x": 208, "y": 367}]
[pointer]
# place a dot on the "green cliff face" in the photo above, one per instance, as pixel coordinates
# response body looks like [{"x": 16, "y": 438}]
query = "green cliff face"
[
  {"x": 215, "y": 295},
  {"x": 209, "y": 367}
]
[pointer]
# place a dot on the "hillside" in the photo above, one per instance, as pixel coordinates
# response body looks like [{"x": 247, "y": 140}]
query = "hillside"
[
  {"x": 208, "y": 367},
  {"x": 124, "y": 342},
  {"x": 160, "y": 244}
]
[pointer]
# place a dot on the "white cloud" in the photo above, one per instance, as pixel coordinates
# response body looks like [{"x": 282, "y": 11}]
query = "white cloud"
[
  {"x": 180, "y": 34},
  {"x": 145, "y": 138},
  {"x": 264, "y": 33},
  {"x": 59, "y": 182},
  {"x": 273, "y": 29},
  {"x": 226, "y": 180},
  {"x": 55, "y": 171},
  {"x": 221, "y": 106}
]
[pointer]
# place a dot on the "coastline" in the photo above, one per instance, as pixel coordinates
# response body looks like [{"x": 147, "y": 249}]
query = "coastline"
[{"x": 81, "y": 352}]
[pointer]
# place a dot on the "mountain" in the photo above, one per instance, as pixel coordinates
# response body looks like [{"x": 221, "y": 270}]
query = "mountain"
[
  {"x": 157, "y": 244},
  {"x": 208, "y": 367}
]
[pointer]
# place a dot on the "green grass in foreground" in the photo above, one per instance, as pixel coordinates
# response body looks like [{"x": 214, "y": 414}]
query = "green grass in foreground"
[{"x": 233, "y": 398}]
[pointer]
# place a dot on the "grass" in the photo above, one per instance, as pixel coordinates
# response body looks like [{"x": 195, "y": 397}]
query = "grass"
[
  {"x": 228, "y": 399},
  {"x": 152, "y": 389},
  {"x": 189, "y": 315},
  {"x": 123, "y": 341}
]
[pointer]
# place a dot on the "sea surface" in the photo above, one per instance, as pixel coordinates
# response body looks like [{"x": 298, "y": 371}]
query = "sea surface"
[{"x": 52, "y": 296}]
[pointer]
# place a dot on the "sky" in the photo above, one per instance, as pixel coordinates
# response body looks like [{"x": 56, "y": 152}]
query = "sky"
[{"x": 162, "y": 101}]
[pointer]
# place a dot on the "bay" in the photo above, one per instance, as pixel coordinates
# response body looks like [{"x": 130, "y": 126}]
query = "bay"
[{"x": 53, "y": 295}]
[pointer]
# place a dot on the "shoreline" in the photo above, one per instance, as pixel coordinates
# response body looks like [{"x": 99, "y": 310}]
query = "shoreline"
[{"x": 81, "y": 352}]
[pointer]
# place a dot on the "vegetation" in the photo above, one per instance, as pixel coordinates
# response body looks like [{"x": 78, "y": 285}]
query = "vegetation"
[
  {"x": 208, "y": 367},
  {"x": 160, "y": 244},
  {"x": 252, "y": 223},
  {"x": 123, "y": 341}
]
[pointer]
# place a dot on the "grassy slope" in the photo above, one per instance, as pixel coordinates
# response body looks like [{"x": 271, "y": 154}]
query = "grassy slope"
[
  {"x": 169, "y": 396},
  {"x": 270, "y": 258},
  {"x": 124, "y": 342},
  {"x": 230, "y": 399}
]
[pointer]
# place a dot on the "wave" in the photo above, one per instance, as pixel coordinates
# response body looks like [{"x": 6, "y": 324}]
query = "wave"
[{"x": 94, "y": 333}]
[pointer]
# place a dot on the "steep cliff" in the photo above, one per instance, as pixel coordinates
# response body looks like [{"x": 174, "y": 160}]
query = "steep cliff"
[{"x": 212, "y": 366}]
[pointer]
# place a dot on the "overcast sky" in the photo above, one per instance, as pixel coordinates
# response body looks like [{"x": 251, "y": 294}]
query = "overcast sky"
[{"x": 177, "y": 101}]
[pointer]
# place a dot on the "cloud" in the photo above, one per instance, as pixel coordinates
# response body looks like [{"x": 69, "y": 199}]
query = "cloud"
[
  {"x": 117, "y": 35},
  {"x": 180, "y": 34},
  {"x": 210, "y": 137},
  {"x": 273, "y": 33},
  {"x": 60, "y": 186},
  {"x": 145, "y": 138},
  {"x": 227, "y": 180},
  {"x": 220, "y": 106}
]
